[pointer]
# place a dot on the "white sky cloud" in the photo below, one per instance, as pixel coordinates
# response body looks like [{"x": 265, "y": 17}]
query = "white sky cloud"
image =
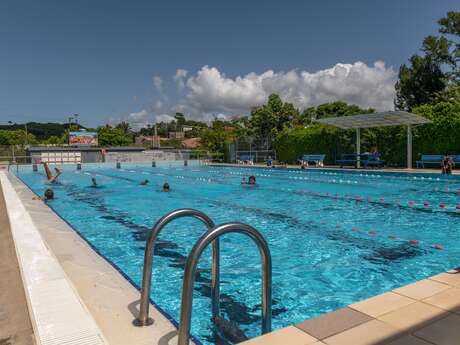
[
  {"x": 210, "y": 91},
  {"x": 158, "y": 83},
  {"x": 145, "y": 117},
  {"x": 163, "y": 118},
  {"x": 179, "y": 78}
]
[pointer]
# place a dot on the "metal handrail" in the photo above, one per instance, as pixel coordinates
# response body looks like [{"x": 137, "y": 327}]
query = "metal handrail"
[
  {"x": 190, "y": 270},
  {"x": 143, "y": 317}
]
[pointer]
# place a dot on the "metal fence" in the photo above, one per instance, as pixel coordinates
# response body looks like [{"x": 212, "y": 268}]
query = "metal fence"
[
  {"x": 258, "y": 156},
  {"x": 18, "y": 154}
]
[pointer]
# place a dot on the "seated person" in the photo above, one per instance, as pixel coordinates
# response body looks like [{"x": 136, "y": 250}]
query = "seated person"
[
  {"x": 304, "y": 165},
  {"x": 144, "y": 183},
  {"x": 49, "y": 175},
  {"x": 447, "y": 165},
  {"x": 374, "y": 154},
  {"x": 269, "y": 161}
]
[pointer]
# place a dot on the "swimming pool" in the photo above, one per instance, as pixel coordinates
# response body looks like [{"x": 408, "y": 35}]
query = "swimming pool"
[{"x": 336, "y": 237}]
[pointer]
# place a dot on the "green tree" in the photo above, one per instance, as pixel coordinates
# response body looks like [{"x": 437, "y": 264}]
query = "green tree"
[
  {"x": 217, "y": 137},
  {"x": 434, "y": 75},
  {"x": 124, "y": 126},
  {"x": 271, "y": 118},
  {"x": 332, "y": 109},
  {"x": 16, "y": 137},
  {"x": 419, "y": 83},
  {"x": 109, "y": 136},
  {"x": 443, "y": 135},
  {"x": 180, "y": 119}
]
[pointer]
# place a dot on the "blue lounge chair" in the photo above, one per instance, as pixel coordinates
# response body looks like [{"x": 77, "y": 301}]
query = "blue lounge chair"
[
  {"x": 429, "y": 159},
  {"x": 318, "y": 159},
  {"x": 456, "y": 159},
  {"x": 371, "y": 160},
  {"x": 246, "y": 159},
  {"x": 347, "y": 159}
]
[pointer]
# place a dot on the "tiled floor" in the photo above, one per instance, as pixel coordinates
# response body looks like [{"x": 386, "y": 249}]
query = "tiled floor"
[{"x": 423, "y": 313}]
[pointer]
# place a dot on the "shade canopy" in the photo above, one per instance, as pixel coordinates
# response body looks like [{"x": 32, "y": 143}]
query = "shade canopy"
[{"x": 382, "y": 119}]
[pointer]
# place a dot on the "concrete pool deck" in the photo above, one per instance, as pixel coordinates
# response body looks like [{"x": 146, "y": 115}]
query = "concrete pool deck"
[
  {"x": 110, "y": 298},
  {"x": 15, "y": 326},
  {"x": 423, "y": 313}
]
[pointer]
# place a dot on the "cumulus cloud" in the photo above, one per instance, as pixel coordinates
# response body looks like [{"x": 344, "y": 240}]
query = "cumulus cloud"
[
  {"x": 158, "y": 83},
  {"x": 210, "y": 91},
  {"x": 163, "y": 118},
  {"x": 179, "y": 78},
  {"x": 138, "y": 119},
  {"x": 145, "y": 117}
]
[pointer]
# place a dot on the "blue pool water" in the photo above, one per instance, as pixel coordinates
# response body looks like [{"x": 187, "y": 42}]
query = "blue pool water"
[{"x": 328, "y": 233}]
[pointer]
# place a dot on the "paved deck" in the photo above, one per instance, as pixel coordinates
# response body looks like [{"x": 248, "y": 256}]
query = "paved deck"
[
  {"x": 423, "y": 313},
  {"x": 15, "y": 326}
]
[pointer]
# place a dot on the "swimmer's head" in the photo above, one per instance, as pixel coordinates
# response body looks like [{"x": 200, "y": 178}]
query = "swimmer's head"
[
  {"x": 252, "y": 179},
  {"x": 166, "y": 187},
  {"x": 145, "y": 182},
  {"x": 49, "y": 194}
]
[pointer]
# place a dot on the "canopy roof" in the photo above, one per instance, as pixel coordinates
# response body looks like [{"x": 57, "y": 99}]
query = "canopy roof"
[{"x": 382, "y": 119}]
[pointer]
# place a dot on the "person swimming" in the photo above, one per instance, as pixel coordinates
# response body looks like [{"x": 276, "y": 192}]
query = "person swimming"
[
  {"x": 48, "y": 195},
  {"x": 243, "y": 180},
  {"x": 166, "y": 187},
  {"x": 144, "y": 183},
  {"x": 49, "y": 175},
  {"x": 94, "y": 182},
  {"x": 252, "y": 180}
]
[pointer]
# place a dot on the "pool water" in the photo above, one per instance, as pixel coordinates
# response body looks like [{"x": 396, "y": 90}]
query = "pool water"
[{"x": 336, "y": 237}]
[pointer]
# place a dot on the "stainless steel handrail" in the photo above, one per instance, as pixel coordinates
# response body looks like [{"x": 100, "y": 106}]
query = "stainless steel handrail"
[
  {"x": 190, "y": 270},
  {"x": 143, "y": 317}
]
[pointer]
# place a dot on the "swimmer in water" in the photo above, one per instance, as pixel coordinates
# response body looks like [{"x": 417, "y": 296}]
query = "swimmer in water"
[
  {"x": 243, "y": 180},
  {"x": 252, "y": 180},
  {"x": 49, "y": 175},
  {"x": 94, "y": 182},
  {"x": 49, "y": 195},
  {"x": 144, "y": 183},
  {"x": 166, "y": 187}
]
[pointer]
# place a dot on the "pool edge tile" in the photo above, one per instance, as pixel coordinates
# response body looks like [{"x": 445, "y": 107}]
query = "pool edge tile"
[{"x": 333, "y": 323}]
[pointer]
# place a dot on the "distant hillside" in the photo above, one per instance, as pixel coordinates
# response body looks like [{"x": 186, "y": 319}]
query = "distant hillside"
[{"x": 41, "y": 131}]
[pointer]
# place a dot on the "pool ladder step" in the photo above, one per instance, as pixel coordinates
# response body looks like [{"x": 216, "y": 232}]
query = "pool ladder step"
[{"x": 210, "y": 236}]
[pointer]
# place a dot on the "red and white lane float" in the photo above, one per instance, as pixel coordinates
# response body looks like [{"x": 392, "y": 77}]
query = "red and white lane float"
[{"x": 374, "y": 232}]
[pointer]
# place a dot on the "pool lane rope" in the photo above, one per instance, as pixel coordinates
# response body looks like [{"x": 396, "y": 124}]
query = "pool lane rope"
[{"x": 374, "y": 232}]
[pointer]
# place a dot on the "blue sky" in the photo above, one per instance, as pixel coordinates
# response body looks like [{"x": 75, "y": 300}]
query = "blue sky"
[{"x": 111, "y": 60}]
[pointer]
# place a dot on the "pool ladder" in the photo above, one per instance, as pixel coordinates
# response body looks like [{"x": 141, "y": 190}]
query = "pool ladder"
[{"x": 210, "y": 236}]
